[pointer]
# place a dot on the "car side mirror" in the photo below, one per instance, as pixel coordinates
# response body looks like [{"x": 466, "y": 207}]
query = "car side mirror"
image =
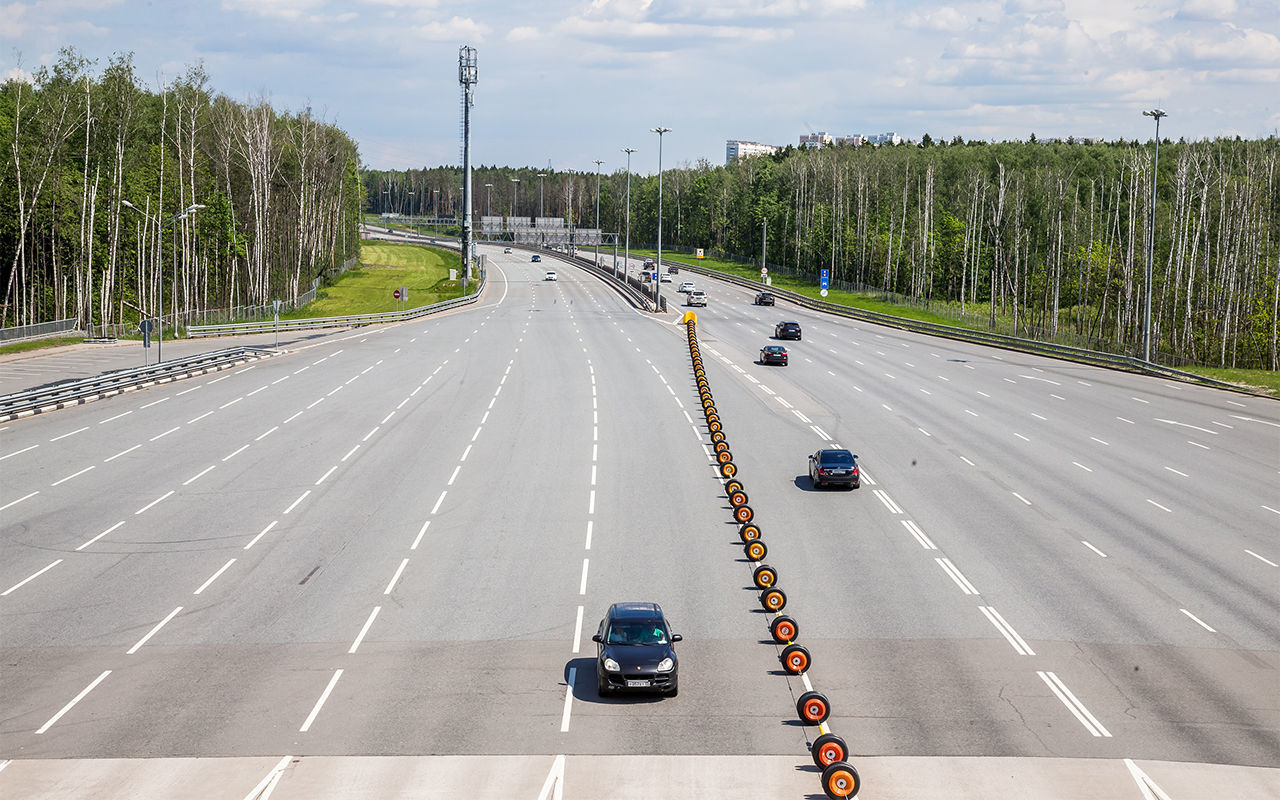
[
  {"x": 675, "y": 637},
  {"x": 597, "y": 638}
]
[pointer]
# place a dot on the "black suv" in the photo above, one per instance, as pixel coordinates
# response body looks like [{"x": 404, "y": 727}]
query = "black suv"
[
  {"x": 634, "y": 652},
  {"x": 834, "y": 468},
  {"x": 764, "y": 299},
  {"x": 787, "y": 330}
]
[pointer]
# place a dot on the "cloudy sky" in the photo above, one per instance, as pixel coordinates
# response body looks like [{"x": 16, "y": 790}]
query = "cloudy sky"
[{"x": 571, "y": 81}]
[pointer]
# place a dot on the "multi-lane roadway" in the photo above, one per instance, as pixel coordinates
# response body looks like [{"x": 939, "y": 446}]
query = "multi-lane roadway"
[{"x": 371, "y": 567}]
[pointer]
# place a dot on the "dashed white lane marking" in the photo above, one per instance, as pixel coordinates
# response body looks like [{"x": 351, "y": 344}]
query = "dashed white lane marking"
[
  {"x": 582, "y": 586},
  {"x": 72, "y": 475},
  {"x": 99, "y": 536},
  {"x": 117, "y": 455},
  {"x": 1011, "y": 636},
  {"x": 57, "y": 438},
  {"x": 262, "y": 533},
  {"x": 74, "y": 700},
  {"x": 160, "y": 436},
  {"x": 1266, "y": 561},
  {"x": 967, "y": 461},
  {"x": 315, "y": 711},
  {"x": 198, "y": 475},
  {"x": 577, "y": 632},
  {"x": 1197, "y": 620},
  {"x": 149, "y": 505},
  {"x": 955, "y": 575},
  {"x": 30, "y": 578},
  {"x": 590, "y": 523},
  {"x": 439, "y": 500},
  {"x": 1094, "y": 549},
  {"x": 1020, "y": 497},
  {"x": 207, "y": 413},
  {"x": 1197, "y": 444},
  {"x": 235, "y": 453},
  {"x": 1157, "y": 505},
  {"x": 292, "y": 418},
  {"x": 153, "y": 631},
  {"x": 1178, "y": 472},
  {"x": 887, "y": 501},
  {"x": 364, "y": 629},
  {"x": 417, "y": 540},
  {"x": 1073, "y": 704},
  {"x": 295, "y": 503},
  {"x": 1081, "y": 466},
  {"x": 116, "y": 417},
  {"x": 1140, "y": 400},
  {"x": 153, "y": 403},
  {"x": 568, "y": 700},
  {"x": 926, "y": 433},
  {"x": 262, "y": 436},
  {"x": 391, "y": 585},
  {"x": 1099, "y": 441},
  {"x": 919, "y": 535},
  {"x": 214, "y": 576}
]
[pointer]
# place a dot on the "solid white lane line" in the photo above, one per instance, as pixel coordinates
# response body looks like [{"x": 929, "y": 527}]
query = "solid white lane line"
[
  {"x": 399, "y": 571},
  {"x": 116, "y": 417},
  {"x": 294, "y": 504},
  {"x": 153, "y": 631},
  {"x": 198, "y": 475},
  {"x": 104, "y": 533},
  {"x": 568, "y": 700},
  {"x": 364, "y": 629},
  {"x": 1081, "y": 466},
  {"x": 72, "y": 475},
  {"x": 74, "y": 700},
  {"x": 919, "y": 535},
  {"x": 887, "y": 501},
  {"x": 582, "y": 586},
  {"x": 1197, "y": 620},
  {"x": 214, "y": 576},
  {"x": 1023, "y": 499},
  {"x": 1148, "y": 787},
  {"x": 235, "y": 453},
  {"x": 955, "y": 574},
  {"x": 577, "y": 632},
  {"x": 166, "y": 433},
  {"x": 1006, "y": 630},
  {"x": 1263, "y": 560},
  {"x": 1094, "y": 549},
  {"x": 1157, "y": 505},
  {"x": 454, "y": 476},
  {"x": 1073, "y": 704},
  {"x": 417, "y": 540},
  {"x": 65, "y": 435},
  {"x": 268, "y": 433},
  {"x": 262, "y": 533},
  {"x": 20, "y": 583},
  {"x": 439, "y": 500},
  {"x": 306, "y": 726},
  {"x": 117, "y": 455},
  {"x": 350, "y": 453},
  {"x": 148, "y": 505},
  {"x": 590, "y": 523}
]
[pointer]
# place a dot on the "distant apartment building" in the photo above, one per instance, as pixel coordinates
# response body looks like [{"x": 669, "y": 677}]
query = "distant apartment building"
[
  {"x": 822, "y": 138},
  {"x": 734, "y": 149},
  {"x": 818, "y": 139},
  {"x": 884, "y": 138}
]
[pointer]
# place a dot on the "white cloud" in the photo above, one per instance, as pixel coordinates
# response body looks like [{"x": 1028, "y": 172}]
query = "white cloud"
[
  {"x": 280, "y": 9},
  {"x": 1209, "y": 9},
  {"x": 523, "y": 33},
  {"x": 17, "y": 74},
  {"x": 943, "y": 19},
  {"x": 456, "y": 29}
]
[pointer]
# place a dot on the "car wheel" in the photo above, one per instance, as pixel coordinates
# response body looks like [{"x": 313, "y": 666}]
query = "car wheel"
[
  {"x": 602, "y": 687},
  {"x": 817, "y": 484}
]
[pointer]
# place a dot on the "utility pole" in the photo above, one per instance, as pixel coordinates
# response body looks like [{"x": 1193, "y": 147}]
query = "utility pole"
[
  {"x": 626, "y": 250},
  {"x": 1151, "y": 237},
  {"x": 657, "y": 284},
  {"x": 467, "y": 76},
  {"x": 598, "y": 162}
]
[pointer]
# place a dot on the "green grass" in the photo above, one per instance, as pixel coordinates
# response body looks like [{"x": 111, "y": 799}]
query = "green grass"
[
  {"x": 40, "y": 344},
  {"x": 1262, "y": 380},
  {"x": 384, "y": 267}
]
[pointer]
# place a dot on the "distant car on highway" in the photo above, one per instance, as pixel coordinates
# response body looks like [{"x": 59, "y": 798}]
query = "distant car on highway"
[
  {"x": 634, "y": 651},
  {"x": 536, "y": 257},
  {"x": 787, "y": 330},
  {"x": 764, "y": 299},
  {"x": 834, "y": 468},
  {"x": 506, "y": 249},
  {"x": 696, "y": 298},
  {"x": 685, "y": 287},
  {"x": 672, "y": 269},
  {"x": 648, "y": 264},
  {"x": 550, "y": 276},
  {"x": 665, "y": 278},
  {"x": 773, "y": 354}
]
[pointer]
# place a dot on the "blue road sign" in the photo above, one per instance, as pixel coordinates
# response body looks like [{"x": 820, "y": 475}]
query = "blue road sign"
[{"x": 826, "y": 279}]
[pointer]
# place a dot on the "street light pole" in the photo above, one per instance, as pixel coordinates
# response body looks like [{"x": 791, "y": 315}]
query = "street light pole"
[
  {"x": 541, "y": 209},
  {"x": 488, "y": 200},
  {"x": 657, "y": 284},
  {"x": 1151, "y": 238},
  {"x": 626, "y": 250},
  {"x": 598, "y": 162},
  {"x": 160, "y": 293}
]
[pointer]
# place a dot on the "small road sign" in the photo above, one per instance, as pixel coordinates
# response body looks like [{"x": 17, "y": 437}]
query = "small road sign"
[{"x": 396, "y": 294}]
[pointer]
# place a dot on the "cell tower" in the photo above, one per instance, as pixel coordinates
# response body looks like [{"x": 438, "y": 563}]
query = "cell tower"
[{"x": 467, "y": 74}]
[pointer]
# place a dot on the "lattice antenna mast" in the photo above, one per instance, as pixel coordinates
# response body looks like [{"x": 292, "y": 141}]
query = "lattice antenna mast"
[{"x": 467, "y": 75}]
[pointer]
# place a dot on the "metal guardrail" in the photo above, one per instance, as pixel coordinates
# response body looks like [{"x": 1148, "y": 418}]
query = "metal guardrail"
[
  {"x": 1092, "y": 357},
  {"x": 315, "y": 323},
  {"x": 39, "y": 330},
  {"x": 51, "y": 398}
]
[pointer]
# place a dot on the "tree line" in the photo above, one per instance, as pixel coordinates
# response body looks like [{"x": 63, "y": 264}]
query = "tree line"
[
  {"x": 1050, "y": 234},
  {"x": 278, "y": 195}
]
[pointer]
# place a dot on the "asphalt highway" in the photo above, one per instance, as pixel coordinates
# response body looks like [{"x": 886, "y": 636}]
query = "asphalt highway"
[{"x": 371, "y": 567}]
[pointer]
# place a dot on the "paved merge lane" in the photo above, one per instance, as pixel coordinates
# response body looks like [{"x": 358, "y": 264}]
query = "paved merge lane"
[{"x": 399, "y": 541}]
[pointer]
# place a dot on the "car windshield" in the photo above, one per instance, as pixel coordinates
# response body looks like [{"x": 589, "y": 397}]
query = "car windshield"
[
  {"x": 837, "y": 458},
  {"x": 642, "y": 633}
]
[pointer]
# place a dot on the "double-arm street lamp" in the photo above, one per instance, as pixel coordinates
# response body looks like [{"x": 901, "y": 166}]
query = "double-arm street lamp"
[
  {"x": 515, "y": 197},
  {"x": 1151, "y": 237},
  {"x": 541, "y": 209},
  {"x": 598, "y": 162},
  {"x": 626, "y": 250},
  {"x": 167, "y": 223},
  {"x": 657, "y": 283}
]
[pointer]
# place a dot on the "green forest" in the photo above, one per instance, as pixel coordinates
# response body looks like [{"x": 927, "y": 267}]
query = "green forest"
[
  {"x": 1050, "y": 235},
  {"x": 234, "y": 204}
]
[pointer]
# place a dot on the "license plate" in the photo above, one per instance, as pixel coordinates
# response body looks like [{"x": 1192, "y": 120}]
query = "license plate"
[{"x": 637, "y": 684}]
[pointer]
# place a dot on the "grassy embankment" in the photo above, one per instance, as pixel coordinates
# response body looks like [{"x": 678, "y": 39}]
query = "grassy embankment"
[{"x": 1260, "y": 379}]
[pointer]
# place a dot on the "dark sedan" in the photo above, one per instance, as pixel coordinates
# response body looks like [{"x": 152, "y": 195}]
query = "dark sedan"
[
  {"x": 536, "y": 258},
  {"x": 634, "y": 651},
  {"x": 773, "y": 354},
  {"x": 787, "y": 330},
  {"x": 764, "y": 299},
  {"x": 834, "y": 468}
]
